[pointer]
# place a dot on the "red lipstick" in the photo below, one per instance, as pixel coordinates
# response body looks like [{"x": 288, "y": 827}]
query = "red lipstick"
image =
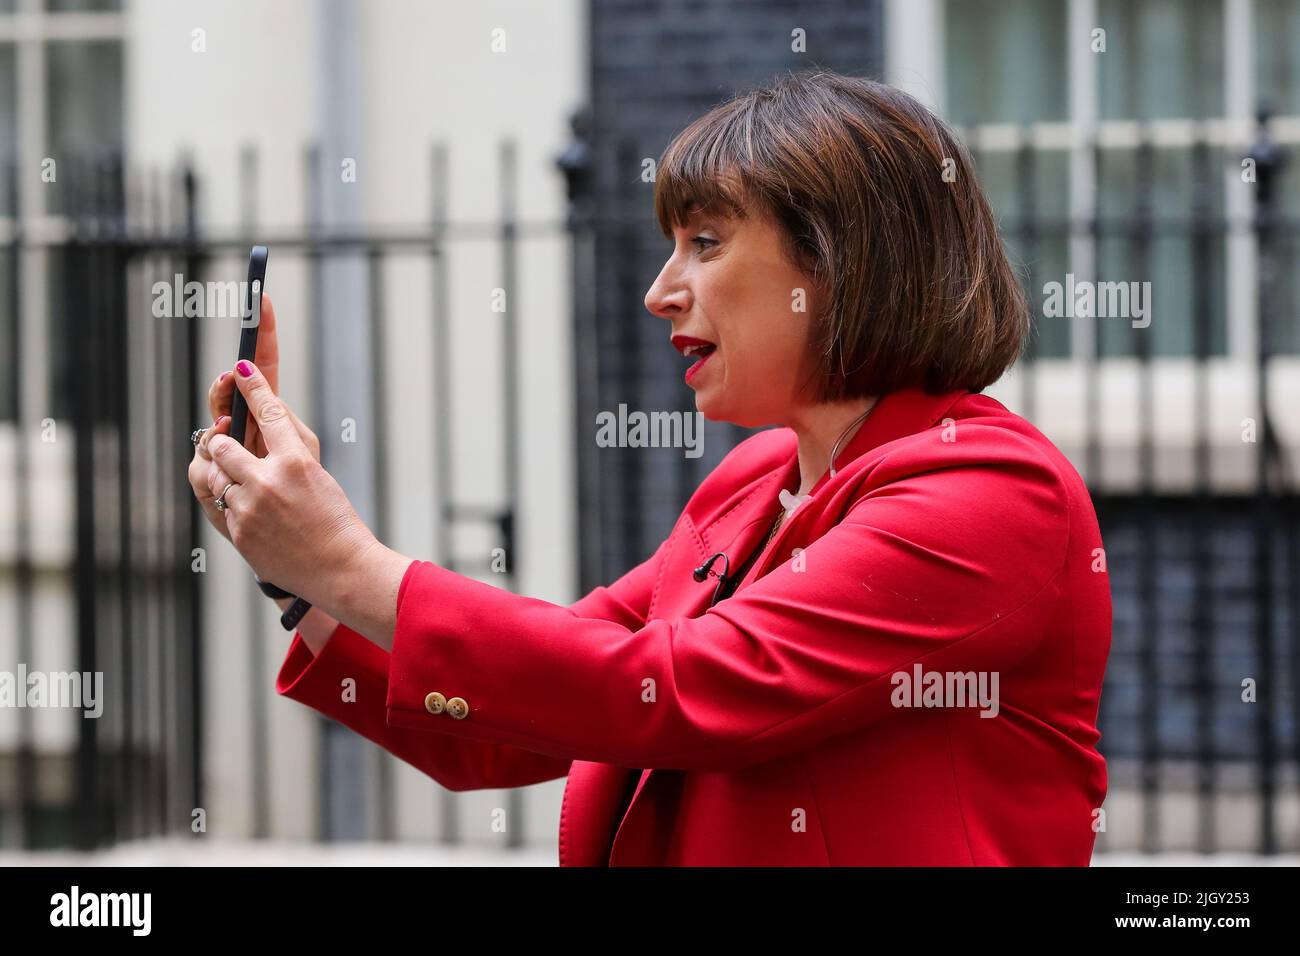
[{"x": 700, "y": 349}]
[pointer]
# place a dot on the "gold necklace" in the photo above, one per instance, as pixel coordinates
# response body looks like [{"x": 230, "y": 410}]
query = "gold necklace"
[{"x": 775, "y": 525}]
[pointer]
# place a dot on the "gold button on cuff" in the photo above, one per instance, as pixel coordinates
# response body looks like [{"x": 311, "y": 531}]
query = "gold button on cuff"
[
  {"x": 458, "y": 707},
  {"x": 435, "y": 703}
]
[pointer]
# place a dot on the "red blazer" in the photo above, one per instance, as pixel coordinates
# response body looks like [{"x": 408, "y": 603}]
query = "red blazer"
[{"x": 774, "y": 728}]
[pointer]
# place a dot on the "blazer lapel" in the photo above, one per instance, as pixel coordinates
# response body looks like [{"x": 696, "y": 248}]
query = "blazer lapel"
[
  {"x": 896, "y": 414},
  {"x": 742, "y": 528}
]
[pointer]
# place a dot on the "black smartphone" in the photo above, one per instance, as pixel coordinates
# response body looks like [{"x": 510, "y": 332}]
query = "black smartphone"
[{"x": 248, "y": 325}]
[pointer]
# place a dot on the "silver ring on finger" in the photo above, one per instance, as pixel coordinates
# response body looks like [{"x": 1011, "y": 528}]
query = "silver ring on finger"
[
  {"x": 221, "y": 498},
  {"x": 196, "y": 436}
]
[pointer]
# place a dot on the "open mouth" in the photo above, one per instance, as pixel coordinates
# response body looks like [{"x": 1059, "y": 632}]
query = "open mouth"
[{"x": 698, "y": 349}]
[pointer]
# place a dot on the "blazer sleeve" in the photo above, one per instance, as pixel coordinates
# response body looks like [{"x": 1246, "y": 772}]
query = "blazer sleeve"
[
  {"x": 937, "y": 563},
  {"x": 318, "y": 680}
]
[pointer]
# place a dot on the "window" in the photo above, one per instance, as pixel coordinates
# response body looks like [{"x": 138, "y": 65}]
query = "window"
[
  {"x": 1277, "y": 42},
  {"x": 71, "y": 6},
  {"x": 84, "y": 83},
  {"x": 1163, "y": 59},
  {"x": 8, "y": 131},
  {"x": 1161, "y": 157},
  {"x": 1029, "y": 190},
  {"x": 1005, "y": 61},
  {"x": 1277, "y": 79},
  {"x": 73, "y": 112},
  {"x": 8, "y": 126},
  {"x": 1186, "y": 274}
]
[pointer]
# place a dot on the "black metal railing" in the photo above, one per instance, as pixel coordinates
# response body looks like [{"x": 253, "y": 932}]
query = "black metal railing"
[{"x": 131, "y": 390}]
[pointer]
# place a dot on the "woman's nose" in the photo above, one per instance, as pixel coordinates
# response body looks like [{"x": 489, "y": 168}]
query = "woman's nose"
[{"x": 666, "y": 300}]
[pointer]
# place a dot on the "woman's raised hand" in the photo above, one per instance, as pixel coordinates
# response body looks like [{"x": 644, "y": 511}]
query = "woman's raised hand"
[
  {"x": 220, "y": 395},
  {"x": 287, "y": 517}
]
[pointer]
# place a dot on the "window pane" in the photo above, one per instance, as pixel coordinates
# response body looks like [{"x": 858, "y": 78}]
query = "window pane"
[
  {"x": 7, "y": 172},
  {"x": 63, "y": 381},
  {"x": 1284, "y": 315},
  {"x": 1277, "y": 59},
  {"x": 67, "y": 6},
  {"x": 1186, "y": 274},
  {"x": 8, "y": 125},
  {"x": 85, "y": 123},
  {"x": 1006, "y": 60},
  {"x": 85, "y": 117},
  {"x": 1029, "y": 191},
  {"x": 1163, "y": 59}
]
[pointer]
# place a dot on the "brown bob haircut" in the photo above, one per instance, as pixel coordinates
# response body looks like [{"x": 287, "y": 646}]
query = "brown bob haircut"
[{"x": 879, "y": 205}]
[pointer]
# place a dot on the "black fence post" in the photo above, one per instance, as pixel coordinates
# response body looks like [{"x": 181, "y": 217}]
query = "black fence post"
[
  {"x": 1027, "y": 157},
  {"x": 1148, "y": 617},
  {"x": 1202, "y": 617},
  {"x": 24, "y": 573},
  {"x": 630, "y": 375},
  {"x": 576, "y": 165},
  {"x": 191, "y": 669},
  {"x": 82, "y": 326},
  {"x": 1269, "y": 159},
  {"x": 508, "y": 518}
]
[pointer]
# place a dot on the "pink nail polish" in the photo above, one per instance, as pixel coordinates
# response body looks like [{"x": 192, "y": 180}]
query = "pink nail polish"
[
  {"x": 244, "y": 368},
  {"x": 223, "y": 376}
]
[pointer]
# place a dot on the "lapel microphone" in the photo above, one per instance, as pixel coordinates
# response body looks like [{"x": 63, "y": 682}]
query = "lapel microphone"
[{"x": 705, "y": 569}]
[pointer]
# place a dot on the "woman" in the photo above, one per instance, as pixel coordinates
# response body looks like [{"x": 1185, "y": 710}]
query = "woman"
[{"x": 876, "y": 635}]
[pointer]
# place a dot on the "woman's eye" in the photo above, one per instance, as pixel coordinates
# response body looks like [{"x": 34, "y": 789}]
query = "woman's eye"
[{"x": 707, "y": 242}]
